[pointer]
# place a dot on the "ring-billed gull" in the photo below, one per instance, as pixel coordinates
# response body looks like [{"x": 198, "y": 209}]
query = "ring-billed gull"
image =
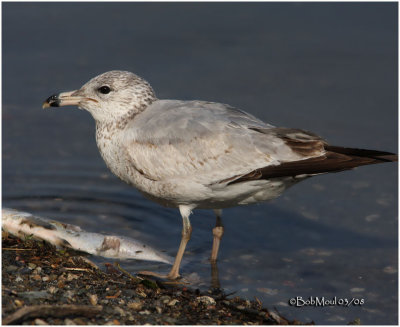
[{"x": 198, "y": 154}]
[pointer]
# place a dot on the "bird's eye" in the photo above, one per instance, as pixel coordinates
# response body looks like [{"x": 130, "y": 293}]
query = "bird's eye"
[{"x": 104, "y": 89}]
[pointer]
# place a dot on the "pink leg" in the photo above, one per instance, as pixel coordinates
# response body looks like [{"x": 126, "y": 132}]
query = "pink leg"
[
  {"x": 218, "y": 231},
  {"x": 186, "y": 233}
]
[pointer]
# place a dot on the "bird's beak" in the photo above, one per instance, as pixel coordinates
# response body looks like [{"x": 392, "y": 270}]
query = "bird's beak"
[{"x": 63, "y": 99}]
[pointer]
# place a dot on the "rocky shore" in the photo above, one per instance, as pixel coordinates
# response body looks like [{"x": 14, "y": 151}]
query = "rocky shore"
[{"x": 43, "y": 285}]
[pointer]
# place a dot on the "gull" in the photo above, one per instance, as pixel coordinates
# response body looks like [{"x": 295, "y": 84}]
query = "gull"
[{"x": 200, "y": 154}]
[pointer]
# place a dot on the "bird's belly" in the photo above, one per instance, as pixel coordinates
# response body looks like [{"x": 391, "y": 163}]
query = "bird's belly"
[
  {"x": 247, "y": 193},
  {"x": 173, "y": 195}
]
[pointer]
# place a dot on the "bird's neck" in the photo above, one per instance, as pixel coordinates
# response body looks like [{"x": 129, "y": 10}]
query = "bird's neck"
[{"x": 119, "y": 120}]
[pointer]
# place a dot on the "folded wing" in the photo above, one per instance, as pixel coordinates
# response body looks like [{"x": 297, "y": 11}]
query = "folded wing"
[
  {"x": 210, "y": 142},
  {"x": 214, "y": 143}
]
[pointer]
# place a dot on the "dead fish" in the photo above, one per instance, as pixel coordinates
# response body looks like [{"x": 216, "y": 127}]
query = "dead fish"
[{"x": 20, "y": 223}]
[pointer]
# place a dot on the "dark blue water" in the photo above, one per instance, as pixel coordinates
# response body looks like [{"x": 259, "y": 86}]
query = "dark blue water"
[{"x": 330, "y": 68}]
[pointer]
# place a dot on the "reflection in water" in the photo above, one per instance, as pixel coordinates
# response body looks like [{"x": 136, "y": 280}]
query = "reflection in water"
[{"x": 215, "y": 284}]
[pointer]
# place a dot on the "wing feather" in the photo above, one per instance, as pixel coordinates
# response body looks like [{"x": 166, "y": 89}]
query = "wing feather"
[{"x": 210, "y": 142}]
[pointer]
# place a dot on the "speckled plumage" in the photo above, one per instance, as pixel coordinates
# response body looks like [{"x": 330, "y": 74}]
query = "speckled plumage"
[{"x": 197, "y": 154}]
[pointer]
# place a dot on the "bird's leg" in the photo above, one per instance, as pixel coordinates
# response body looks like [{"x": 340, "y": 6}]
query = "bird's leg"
[
  {"x": 186, "y": 232},
  {"x": 218, "y": 231}
]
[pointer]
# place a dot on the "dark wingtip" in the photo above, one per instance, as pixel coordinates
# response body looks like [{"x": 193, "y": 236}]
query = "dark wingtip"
[
  {"x": 336, "y": 159},
  {"x": 390, "y": 157},
  {"x": 373, "y": 154}
]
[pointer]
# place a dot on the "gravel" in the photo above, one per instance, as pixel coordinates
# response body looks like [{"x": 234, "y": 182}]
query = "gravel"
[{"x": 43, "y": 285}]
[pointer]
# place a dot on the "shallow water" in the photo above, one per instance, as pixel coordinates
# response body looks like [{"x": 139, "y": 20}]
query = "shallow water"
[{"x": 328, "y": 68}]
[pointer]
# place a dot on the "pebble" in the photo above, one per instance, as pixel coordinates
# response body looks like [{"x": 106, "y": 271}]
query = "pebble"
[
  {"x": 79, "y": 321},
  {"x": 108, "y": 323},
  {"x": 11, "y": 268},
  {"x": 31, "y": 266},
  {"x": 141, "y": 293},
  {"x": 144, "y": 312},
  {"x": 71, "y": 277},
  {"x": 19, "y": 303},
  {"x": 165, "y": 299},
  {"x": 53, "y": 276},
  {"x": 120, "y": 311},
  {"x": 130, "y": 293},
  {"x": 69, "y": 294},
  {"x": 40, "y": 322},
  {"x": 46, "y": 278},
  {"x": 170, "y": 320},
  {"x": 275, "y": 316},
  {"x": 69, "y": 322},
  {"x": 19, "y": 279},
  {"x": 172, "y": 302},
  {"x": 93, "y": 298},
  {"x": 25, "y": 270},
  {"x": 206, "y": 300},
  {"x": 135, "y": 306},
  {"x": 52, "y": 289},
  {"x": 36, "y": 277}
]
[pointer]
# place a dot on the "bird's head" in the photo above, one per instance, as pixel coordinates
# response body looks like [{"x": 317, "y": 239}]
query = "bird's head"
[{"x": 108, "y": 97}]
